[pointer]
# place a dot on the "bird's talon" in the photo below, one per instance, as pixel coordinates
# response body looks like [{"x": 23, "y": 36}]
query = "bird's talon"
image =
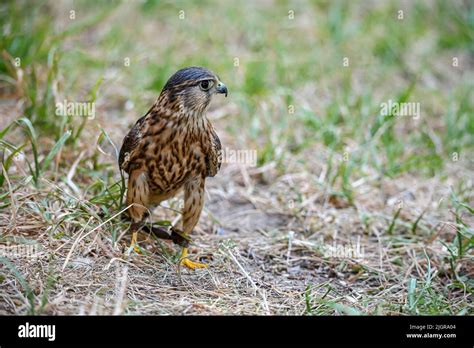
[
  {"x": 135, "y": 248},
  {"x": 134, "y": 245},
  {"x": 191, "y": 264},
  {"x": 184, "y": 261}
]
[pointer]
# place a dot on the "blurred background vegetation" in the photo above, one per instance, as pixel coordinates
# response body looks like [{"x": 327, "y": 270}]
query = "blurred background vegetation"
[{"x": 272, "y": 55}]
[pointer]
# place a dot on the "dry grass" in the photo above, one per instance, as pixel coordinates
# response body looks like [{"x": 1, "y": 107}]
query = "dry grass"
[{"x": 265, "y": 257}]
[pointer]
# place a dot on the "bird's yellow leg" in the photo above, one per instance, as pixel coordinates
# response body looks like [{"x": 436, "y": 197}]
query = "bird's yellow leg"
[
  {"x": 137, "y": 197},
  {"x": 184, "y": 261},
  {"x": 193, "y": 203},
  {"x": 134, "y": 244}
]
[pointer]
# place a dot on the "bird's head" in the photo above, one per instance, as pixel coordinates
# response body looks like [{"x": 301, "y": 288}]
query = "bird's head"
[{"x": 191, "y": 89}]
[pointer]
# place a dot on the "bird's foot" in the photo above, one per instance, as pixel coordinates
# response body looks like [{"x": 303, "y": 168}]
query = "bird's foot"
[
  {"x": 134, "y": 245},
  {"x": 184, "y": 261},
  {"x": 191, "y": 264},
  {"x": 136, "y": 248}
]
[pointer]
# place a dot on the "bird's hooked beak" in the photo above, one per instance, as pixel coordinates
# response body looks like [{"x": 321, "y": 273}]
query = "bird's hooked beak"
[{"x": 221, "y": 88}]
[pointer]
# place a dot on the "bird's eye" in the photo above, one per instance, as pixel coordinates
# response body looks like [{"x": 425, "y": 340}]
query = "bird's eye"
[{"x": 205, "y": 85}]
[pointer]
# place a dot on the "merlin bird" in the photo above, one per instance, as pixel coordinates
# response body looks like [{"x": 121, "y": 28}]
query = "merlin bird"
[{"x": 173, "y": 146}]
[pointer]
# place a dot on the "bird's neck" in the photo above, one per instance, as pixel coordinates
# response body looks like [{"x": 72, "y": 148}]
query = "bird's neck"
[{"x": 178, "y": 115}]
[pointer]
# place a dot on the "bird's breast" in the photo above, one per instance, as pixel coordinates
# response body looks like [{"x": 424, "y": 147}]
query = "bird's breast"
[{"x": 173, "y": 159}]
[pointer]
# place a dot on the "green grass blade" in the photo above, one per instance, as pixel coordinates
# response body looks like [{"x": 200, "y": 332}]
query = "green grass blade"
[{"x": 55, "y": 150}]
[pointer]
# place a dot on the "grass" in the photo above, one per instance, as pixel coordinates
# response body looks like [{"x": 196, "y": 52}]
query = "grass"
[{"x": 306, "y": 83}]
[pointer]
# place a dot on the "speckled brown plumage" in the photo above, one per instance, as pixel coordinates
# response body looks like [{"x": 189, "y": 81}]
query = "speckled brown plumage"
[{"x": 173, "y": 146}]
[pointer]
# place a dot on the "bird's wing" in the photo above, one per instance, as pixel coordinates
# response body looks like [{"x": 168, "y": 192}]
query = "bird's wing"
[
  {"x": 130, "y": 142},
  {"x": 213, "y": 160}
]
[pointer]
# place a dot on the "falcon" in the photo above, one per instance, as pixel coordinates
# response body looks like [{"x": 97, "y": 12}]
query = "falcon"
[{"x": 173, "y": 147}]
